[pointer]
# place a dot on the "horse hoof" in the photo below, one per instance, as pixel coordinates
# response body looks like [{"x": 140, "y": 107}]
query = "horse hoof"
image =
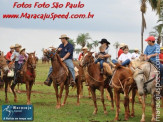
[
  {"x": 78, "y": 104},
  {"x": 94, "y": 113},
  {"x": 28, "y": 103},
  {"x": 105, "y": 112},
  {"x": 142, "y": 120},
  {"x": 116, "y": 118},
  {"x": 112, "y": 108},
  {"x": 62, "y": 104},
  {"x": 152, "y": 120},
  {"x": 15, "y": 100},
  {"x": 132, "y": 115},
  {"x": 58, "y": 107},
  {"x": 6, "y": 101}
]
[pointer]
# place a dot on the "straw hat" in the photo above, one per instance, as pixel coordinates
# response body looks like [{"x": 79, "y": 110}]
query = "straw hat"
[
  {"x": 136, "y": 49},
  {"x": 161, "y": 48},
  {"x": 122, "y": 45},
  {"x": 64, "y": 36},
  {"x": 12, "y": 47},
  {"x": 17, "y": 45},
  {"x": 84, "y": 48},
  {"x": 22, "y": 50}
]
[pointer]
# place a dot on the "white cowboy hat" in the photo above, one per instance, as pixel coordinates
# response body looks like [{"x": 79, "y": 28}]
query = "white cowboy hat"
[
  {"x": 22, "y": 49},
  {"x": 136, "y": 49},
  {"x": 84, "y": 48},
  {"x": 17, "y": 45},
  {"x": 12, "y": 47},
  {"x": 122, "y": 45},
  {"x": 64, "y": 36}
]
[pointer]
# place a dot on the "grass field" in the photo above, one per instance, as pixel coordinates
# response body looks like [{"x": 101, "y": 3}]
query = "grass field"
[{"x": 44, "y": 101}]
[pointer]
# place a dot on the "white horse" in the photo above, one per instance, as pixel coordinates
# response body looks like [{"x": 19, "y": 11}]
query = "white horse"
[{"x": 145, "y": 77}]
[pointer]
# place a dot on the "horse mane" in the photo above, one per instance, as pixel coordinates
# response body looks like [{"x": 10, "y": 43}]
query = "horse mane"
[
  {"x": 118, "y": 66},
  {"x": 61, "y": 63}
]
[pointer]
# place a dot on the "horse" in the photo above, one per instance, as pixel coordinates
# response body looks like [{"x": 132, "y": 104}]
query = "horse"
[
  {"x": 3, "y": 67},
  {"x": 61, "y": 76},
  {"x": 96, "y": 81},
  {"x": 122, "y": 82},
  {"x": 27, "y": 77},
  {"x": 45, "y": 59},
  {"x": 145, "y": 78}
]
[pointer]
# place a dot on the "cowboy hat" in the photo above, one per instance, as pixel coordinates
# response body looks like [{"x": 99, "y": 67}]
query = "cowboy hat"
[
  {"x": 22, "y": 50},
  {"x": 12, "y": 47},
  {"x": 136, "y": 49},
  {"x": 161, "y": 48},
  {"x": 17, "y": 45},
  {"x": 63, "y": 36},
  {"x": 84, "y": 48},
  {"x": 104, "y": 41},
  {"x": 122, "y": 45}
]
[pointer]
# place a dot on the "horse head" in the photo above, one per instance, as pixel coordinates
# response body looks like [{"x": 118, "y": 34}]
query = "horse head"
[
  {"x": 139, "y": 79},
  {"x": 87, "y": 59},
  {"x": 31, "y": 62},
  {"x": 3, "y": 64}
]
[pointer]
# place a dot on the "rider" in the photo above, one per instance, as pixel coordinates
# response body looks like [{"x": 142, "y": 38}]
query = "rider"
[
  {"x": 121, "y": 49},
  {"x": 66, "y": 53},
  {"x": 135, "y": 54},
  {"x": 152, "y": 53},
  {"x": 125, "y": 57},
  {"x": 9, "y": 54},
  {"x": 15, "y": 58},
  {"x": 22, "y": 59},
  {"x": 84, "y": 51},
  {"x": 101, "y": 60},
  {"x": 161, "y": 55}
]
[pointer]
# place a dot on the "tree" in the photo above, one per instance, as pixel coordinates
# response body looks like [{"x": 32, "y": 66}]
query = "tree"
[
  {"x": 71, "y": 41},
  {"x": 82, "y": 39},
  {"x": 95, "y": 44},
  {"x": 89, "y": 46},
  {"x": 116, "y": 45},
  {"x": 156, "y": 6},
  {"x": 77, "y": 50}
]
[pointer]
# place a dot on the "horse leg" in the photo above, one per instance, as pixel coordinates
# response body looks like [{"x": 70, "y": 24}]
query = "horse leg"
[
  {"x": 153, "y": 105},
  {"x": 81, "y": 90},
  {"x": 117, "y": 103},
  {"x": 13, "y": 91},
  {"x": 94, "y": 99},
  {"x": 66, "y": 94},
  {"x": 111, "y": 95},
  {"x": 28, "y": 93},
  {"x": 78, "y": 92},
  {"x": 107, "y": 95},
  {"x": 56, "y": 92},
  {"x": 89, "y": 92},
  {"x": 60, "y": 95},
  {"x": 6, "y": 89},
  {"x": 30, "y": 89},
  {"x": 143, "y": 107},
  {"x": 126, "y": 105},
  {"x": 134, "y": 90},
  {"x": 102, "y": 99}
]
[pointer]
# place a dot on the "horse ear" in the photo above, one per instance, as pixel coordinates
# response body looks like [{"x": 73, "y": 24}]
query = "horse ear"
[
  {"x": 34, "y": 52},
  {"x": 91, "y": 53},
  {"x": 2, "y": 54}
]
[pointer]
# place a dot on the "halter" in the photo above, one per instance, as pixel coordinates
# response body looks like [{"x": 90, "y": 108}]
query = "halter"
[{"x": 51, "y": 54}]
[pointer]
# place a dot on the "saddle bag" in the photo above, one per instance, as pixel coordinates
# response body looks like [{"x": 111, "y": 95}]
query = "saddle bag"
[{"x": 10, "y": 73}]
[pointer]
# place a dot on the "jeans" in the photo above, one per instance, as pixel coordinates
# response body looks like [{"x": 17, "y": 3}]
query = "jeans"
[
  {"x": 101, "y": 62},
  {"x": 70, "y": 66},
  {"x": 161, "y": 73},
  {"x": 20, "y": 66},
  {"x": 15, "y": 71},
  {"x": 127, "y": 62}
]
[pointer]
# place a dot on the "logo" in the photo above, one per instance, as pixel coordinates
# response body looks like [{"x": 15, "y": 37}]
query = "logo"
[{"x": 17, "y": 112}]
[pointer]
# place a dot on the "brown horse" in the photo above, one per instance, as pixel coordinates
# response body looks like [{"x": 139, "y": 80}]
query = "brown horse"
[
  {"x": 28, "y": 76},
  {"x": 96, "y": 80},
  {"x": 3, "y": 67},
  {"x": 122, "y": 82},
  {"x": 61, "y": 76},
  {"x": 45, "y": 59}
]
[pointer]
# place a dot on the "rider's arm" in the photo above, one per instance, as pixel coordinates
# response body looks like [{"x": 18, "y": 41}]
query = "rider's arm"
[{"x": 66, "y": 56}]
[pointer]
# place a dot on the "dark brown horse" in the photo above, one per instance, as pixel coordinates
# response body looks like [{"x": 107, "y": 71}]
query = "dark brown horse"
[
  {"x": 122, "y": 82},
  {"x": 61, "y": 77},
  {"x": 96, "y": 80},
  {"x": 45, "y": 59},
  {"x": 27, "y": 77}
]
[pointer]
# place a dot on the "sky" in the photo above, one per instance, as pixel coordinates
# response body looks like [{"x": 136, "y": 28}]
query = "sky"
[{"x": 115, "y": 20}]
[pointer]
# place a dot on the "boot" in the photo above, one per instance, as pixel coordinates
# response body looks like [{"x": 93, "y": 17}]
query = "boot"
[
  {"x": 48, "y": 81},
  {"x": 72, "y": 83},
  {"x": 102, "y": 71}
]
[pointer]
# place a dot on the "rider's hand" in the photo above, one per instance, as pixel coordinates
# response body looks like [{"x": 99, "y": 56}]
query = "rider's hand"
[
  {"x": 100, "y": 56},
  {"x": 148, "y": 57},
  {"x": 62, "y": 59}
]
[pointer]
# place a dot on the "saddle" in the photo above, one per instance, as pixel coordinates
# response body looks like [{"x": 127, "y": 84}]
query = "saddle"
[{"x": 107, "y": 68}]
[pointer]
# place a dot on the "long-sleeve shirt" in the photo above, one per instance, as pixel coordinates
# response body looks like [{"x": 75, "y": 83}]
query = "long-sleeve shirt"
[
  {"x": 8, "y": 56},
  {"x": 22, "y": 58},
  {"x": 15, "y": 54}
]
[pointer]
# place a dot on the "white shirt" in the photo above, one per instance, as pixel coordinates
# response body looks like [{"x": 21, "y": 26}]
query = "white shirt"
[
  {"x": 15, "y": 54},
  {"x": 123, "y": 57},
  {"x": 135, "y": 55}
]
